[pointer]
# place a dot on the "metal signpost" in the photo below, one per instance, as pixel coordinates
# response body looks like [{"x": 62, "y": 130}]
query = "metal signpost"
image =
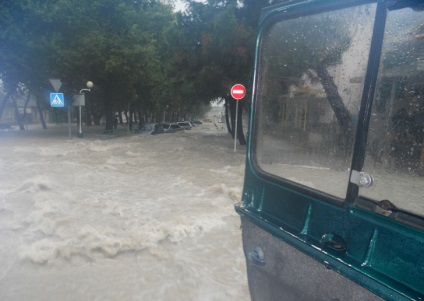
[
  {"x": 57, "y": 100},
  {"x": 238, "y": 91},
  {"x": 79, "y": 100}
]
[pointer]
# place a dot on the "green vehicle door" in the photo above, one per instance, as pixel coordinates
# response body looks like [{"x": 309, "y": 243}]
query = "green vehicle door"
[{"x": 333, "y": 199}]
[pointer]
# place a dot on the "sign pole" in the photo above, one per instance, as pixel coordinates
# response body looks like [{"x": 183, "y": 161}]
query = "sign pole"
[
  {"x": 58, "y": 101},
  {"x": 235, "y": 132},
  {"x": 238, "y": 91},
  {"x": 69, "y": 122},
  {"x": 80, "y": 101},
  {"x": 80, "y": 128}
]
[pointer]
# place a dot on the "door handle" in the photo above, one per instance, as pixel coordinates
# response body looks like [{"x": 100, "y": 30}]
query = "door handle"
[{"x": 257, "y": 256}]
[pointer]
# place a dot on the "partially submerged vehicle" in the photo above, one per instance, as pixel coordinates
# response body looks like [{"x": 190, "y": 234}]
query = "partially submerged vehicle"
[
  {"x": 186, "y": 125},
  {"x": 171, "y": 127},
  {"x": 333, "y": 199},
  {"x": 150, "y": 128}
]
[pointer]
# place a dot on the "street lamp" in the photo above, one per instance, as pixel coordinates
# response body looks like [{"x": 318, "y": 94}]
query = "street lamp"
[{"x": 89, "y": 85}]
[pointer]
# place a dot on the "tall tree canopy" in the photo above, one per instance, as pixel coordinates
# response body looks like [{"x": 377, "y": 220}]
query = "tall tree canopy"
[
  {"x": 115, "y": 44},
  {"x": 214, "y": 44},
  {"x": 139, "y": 53}
]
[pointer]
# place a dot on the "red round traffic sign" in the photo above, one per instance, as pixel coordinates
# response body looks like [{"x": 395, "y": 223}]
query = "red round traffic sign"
[{"x": 238, "y": 91}]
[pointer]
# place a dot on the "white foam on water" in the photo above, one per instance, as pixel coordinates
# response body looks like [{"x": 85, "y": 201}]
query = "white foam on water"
[{"x": 133, "y": 218}]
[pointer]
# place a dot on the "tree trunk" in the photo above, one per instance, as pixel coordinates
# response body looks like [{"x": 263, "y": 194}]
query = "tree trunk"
[
  {"x": 17, "y": 114},
  {"x": 109, "y": 121},
  {"x": 25, "y": 107},
  {"x": 121, "y": 122},
  {"x": 240, "y": 133},
  {"x": 97, "y": 119},
  {"x": 141, "y": 117},
  {"x": 130, "y": 115},
  {"x": 346, "y": 137},
  {"x": 6, "y": 98},
  {"x": 227, "y": 115},
  {"x": 88, "y": 119},
  {"x": 336, "y": 102},
  {"x": 233, "y": 109},
  {"x": 40, "y": 112},
  {"x": 109, "y": 116},
  {"x": 96, "y": 109},
  {"x": 3, "y": 105}
]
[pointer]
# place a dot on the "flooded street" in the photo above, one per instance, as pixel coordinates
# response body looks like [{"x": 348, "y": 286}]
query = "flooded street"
[{"x": 136, "y": 217}]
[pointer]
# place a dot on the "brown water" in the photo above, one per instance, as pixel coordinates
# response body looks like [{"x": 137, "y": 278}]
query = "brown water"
[{"x": 136, "y": 217}]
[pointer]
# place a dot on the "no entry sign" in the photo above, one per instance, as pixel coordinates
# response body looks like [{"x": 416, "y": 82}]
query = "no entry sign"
[{"x": 238, "y": 91}]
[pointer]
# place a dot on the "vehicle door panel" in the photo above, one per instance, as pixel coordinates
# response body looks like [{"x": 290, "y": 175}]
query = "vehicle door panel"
[
  {"x": 309, "y": 232},
  {"x": 289, "y": 274}
]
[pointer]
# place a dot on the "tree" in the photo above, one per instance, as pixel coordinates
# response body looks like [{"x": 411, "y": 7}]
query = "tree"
[
  {"x": 214, "y": 51},
  {"x": 113, "y": 43},
  {"x": 140, "y": 55},
  {"x": 23, "y": 55},
  {"x": 311, "y": 47}
]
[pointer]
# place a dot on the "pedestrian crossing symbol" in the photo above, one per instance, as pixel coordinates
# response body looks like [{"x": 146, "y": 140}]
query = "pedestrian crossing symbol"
[{"x": 57, "y": 100}]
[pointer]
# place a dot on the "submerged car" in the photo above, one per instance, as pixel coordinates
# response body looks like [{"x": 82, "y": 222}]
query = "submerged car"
[
  {"x": 146, "y": 128},
  {"x": 171, "y": 127},
  {"x": 185, "y": 125}
]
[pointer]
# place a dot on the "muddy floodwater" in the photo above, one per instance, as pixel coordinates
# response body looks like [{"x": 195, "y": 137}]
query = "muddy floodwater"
[{"x": 124, "y": 217}]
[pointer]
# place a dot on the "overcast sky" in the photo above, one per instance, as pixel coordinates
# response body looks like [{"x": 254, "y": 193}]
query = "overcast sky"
[{"x": 179, "y": 5}]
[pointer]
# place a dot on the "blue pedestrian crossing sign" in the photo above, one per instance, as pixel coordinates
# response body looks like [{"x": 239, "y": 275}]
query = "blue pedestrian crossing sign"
[{"x": 57, "y": 100}]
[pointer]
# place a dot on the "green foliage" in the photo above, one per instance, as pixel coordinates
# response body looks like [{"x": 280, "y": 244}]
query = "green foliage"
[
  {"x": 137, "y": 52},
  {"x": 312, "y": 43},
  {"x": 214, "y": 47},
  {"x": 113, "y": 43}
]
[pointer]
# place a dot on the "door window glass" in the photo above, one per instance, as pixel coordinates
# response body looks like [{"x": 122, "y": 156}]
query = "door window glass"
[
  {"x": 395, "y": 153},
  {"x": 310, "y": 82}
]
